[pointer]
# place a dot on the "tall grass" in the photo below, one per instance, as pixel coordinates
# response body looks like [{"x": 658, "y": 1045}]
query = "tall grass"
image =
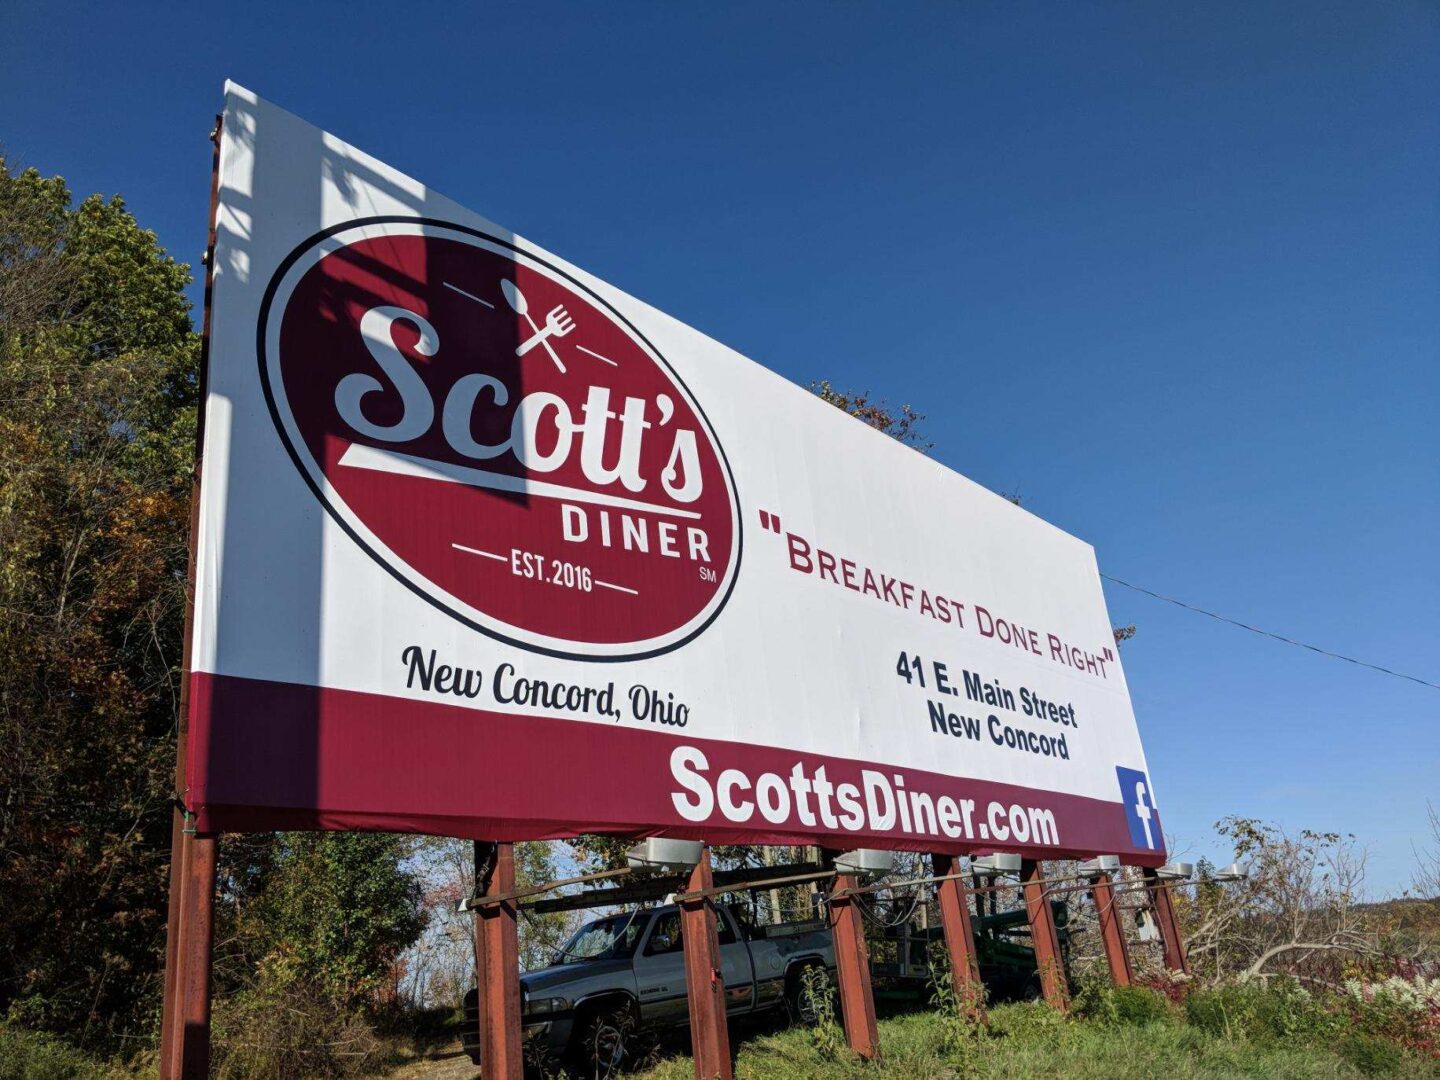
[
  {"x": 31, "y": 1055},
  {"x": 1112, "y": 1034}
]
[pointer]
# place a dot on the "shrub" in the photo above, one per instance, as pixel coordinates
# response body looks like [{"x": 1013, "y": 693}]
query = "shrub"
[
  {"x": 1406, "y": 1011},
  {"x": 960, "y": 1009},
  {"x": 1279, "y": 1009},
  {"x": 1029, "y": 1020},
  {"x": 1136, "y": 1005},
  {"x": 1089, "y": 991},
  {"x": 339, "y": 908},
  {"x": 1174, "y": 986},
  {"x": 1371, "y": 1054},
  {"x": 1412, "y": 995},
  {"x": 29, "y": 1055},
  {"x": 285, "y": 1027},
  {"x": 1097, "y": 998}
]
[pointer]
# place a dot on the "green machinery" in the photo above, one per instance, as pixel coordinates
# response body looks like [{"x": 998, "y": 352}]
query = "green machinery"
[{"x": 1006, "y": 959}]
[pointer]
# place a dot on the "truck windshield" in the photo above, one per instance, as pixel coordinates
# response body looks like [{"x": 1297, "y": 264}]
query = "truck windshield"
[{"x": 614, "y": 935}]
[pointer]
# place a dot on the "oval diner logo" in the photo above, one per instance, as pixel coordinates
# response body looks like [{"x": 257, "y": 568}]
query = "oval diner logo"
[{"x": 499, "y": 439}]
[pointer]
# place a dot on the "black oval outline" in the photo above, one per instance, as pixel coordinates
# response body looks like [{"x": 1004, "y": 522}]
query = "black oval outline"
[{"x": 263, "y": 321}]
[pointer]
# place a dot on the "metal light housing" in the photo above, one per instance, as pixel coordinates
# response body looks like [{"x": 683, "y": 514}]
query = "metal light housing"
[
  {"x": 1176, "y": 871},
  {"x": 866, "y": 862},
  {"x": 1100, "y": 864},
  {"x": 1236, "y": 871},
  {"x": 995, "y": 865},
  {"x": 660, "y": 854}
]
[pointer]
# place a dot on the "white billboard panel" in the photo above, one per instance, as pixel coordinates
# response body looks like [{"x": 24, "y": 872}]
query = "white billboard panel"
[{"x": 490, "y": 548}]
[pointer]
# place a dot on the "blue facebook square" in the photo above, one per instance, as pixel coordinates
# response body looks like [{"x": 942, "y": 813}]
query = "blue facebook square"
[{"x": 1140, "y": 812}]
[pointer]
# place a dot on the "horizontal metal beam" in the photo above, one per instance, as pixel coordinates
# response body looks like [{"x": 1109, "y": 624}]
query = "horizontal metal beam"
[
  {"x": 755, "y": 877},
  {"x": 1067, "y": 884},
  {"x": 764, "y": 883},
  {"x": 656, "y": 888},
  {"x": 472, "y": 903}
]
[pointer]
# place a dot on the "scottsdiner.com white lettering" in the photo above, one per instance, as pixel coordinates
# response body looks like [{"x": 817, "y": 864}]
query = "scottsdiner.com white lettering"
[{"x": 880, "y": 802}]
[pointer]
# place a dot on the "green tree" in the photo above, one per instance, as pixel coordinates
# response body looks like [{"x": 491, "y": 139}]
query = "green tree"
[
  {"x": 540, "y": 935},
  {"x": 98, "y": 389},
  {"x": 97, "y": 394},
  {"x": 334, "y": 913}
]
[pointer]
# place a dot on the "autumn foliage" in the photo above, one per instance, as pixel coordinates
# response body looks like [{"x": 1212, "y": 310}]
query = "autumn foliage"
[
  {"x": 98, "y": 392},
  {"x": 97, "y": 405}
]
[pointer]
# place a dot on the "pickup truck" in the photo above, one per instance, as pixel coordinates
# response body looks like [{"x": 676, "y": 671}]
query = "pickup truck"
[{"x": 624, "y": 974}]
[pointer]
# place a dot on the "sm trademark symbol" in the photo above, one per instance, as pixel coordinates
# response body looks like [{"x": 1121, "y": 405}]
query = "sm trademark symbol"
[{"x": 707, "y": 574}]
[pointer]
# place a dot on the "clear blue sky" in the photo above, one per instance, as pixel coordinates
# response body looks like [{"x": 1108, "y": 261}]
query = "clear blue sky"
[{"x": 1171, "y": 272}]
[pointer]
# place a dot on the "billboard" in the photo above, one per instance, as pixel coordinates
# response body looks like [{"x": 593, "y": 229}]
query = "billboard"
[{"x": 490, "y": 548}]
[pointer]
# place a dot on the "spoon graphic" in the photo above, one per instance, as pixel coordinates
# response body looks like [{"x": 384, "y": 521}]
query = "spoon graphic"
[{"x": 516, "y": 299}]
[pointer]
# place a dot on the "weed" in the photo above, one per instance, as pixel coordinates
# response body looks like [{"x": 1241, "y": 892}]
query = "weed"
[
  {"x": 1371, "y": 1054},
  {"x": 30, "y": 1055},
  {"x": 1126, "y": 1005},
  {"x": 1279, "y": 1009},
  {"x": 817, "y": 992}
]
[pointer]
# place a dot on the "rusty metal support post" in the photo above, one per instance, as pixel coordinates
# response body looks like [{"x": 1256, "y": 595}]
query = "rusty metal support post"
[
  {"x": 1164, "y": 906},
  {"x": 1048, "y": 958},
  {"x": 1111, "y": 932},
  {"x": 175, "y": 1035},
  {"x": 189, "y": 1049},
  {"x": 497, "y": 965},
  {"x": 852, "y": 970},
  {"x": 170, "y": 1008},
  {"x": 705, "y": 978},
  {"x": 484, "y": 858},
  {"x": 959, "y": 939}
]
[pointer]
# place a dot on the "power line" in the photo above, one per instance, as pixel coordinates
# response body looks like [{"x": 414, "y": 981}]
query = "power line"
[{"x": 1277, "y": 637}]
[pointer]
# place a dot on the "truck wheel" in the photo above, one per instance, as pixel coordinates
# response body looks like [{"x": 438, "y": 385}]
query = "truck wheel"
[
  {"x": 604, "y": 1047},
  {"x": 810, "y": 995},
  {"x": 1034, "y": 989}
]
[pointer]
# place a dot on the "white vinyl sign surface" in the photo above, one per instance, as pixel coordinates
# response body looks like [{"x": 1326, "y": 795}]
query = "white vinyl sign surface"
[{"x": 490, "y": 548}]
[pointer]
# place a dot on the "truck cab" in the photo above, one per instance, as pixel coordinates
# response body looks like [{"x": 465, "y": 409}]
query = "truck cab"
[{"x": 623, "y": 975}]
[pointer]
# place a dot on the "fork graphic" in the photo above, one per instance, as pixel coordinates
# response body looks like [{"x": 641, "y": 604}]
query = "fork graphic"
[{"x": 557, "y": 324}]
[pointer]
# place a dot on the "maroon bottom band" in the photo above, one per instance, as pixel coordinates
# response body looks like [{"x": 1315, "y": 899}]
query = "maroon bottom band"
[{"x": 268, "y": 756}]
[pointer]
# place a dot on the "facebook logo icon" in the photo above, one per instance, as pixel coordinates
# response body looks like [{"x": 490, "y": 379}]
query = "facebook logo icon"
[{"x": 1140, "y": 810}]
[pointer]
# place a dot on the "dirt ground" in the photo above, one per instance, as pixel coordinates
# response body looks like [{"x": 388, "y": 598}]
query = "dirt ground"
[{"x": 444, "y": 1063}]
